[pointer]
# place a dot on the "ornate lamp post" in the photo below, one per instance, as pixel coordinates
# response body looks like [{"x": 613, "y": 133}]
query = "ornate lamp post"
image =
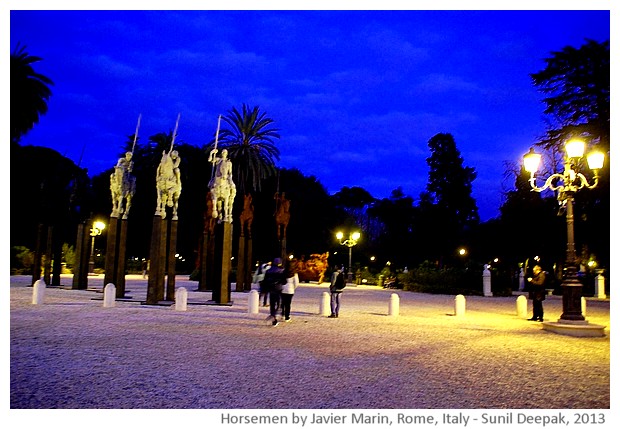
[
  {"x": 96, "y": 230},
  {"x": 349, "y": 242},
  {"x": 567, "y": 184}
]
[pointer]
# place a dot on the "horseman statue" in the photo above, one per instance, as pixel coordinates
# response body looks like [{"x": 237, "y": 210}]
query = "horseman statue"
[
  {"x": 222, "y": 187},
  {"x": 168, "y": 184},
  {"x": 122, "y": 186}
]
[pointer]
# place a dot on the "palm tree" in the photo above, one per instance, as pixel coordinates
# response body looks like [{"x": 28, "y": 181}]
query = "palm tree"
[
  {"x": 29, "y": 93},
  {"x": 250, "y": 144}
]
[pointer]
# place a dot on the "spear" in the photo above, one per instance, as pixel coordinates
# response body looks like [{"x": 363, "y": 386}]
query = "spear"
[
  {"x": 217, "y": 133},
  {"x": 135, "y": 136},
  {"x": 174, "y": 134}
]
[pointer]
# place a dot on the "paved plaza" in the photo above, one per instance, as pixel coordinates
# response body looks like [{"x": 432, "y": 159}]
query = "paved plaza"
[{"x": 73, "y": 353}]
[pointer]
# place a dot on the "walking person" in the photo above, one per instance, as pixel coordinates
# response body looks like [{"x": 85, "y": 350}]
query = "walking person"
[
  {"x": 335, "y": 288},
  {"x": 273, "y": 281},
  {"x": 145, "y": 268},
  {"x": 259, "y": 276},
  {"x": 288, "y": 290},
  {"x": 537, "y": 292}
]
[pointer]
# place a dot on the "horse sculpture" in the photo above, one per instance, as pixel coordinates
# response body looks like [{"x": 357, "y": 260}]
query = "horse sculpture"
[
  {"x": 222, "y": 187},
  {"x": 282, "y": 215},
  {"x": 247, "y": 215},
  {"x": 122, "y": 187},
  {"x": 168, "y": 184}
]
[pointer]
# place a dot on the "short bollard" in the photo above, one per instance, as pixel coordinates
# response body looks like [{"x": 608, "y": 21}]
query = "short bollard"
[
  {"x": 109, "y": 295},
  {"x": 486, "y": 281},
  {"x": 253, "y": 302},
  {"x": 393, "y": 309},
  {"x": 38, "y": 292},
  {"x": 180, "y": 299},
  {"x": 325, "y": 307},
  {"x": 583, "y": 306},
  {"x": 522, "y": 307},
  {"x": 600, "y": 287},
  {"x": 459, "y": 305}
]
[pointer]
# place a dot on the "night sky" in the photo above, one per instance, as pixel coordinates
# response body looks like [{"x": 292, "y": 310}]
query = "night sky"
[{"x": 356, "y": 95}]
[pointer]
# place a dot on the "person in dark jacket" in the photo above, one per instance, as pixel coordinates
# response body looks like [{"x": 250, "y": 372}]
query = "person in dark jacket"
[
  {"x": 335, "y": 289},
  {"x": 275, "y": 277},
  {"x": 537, "y": 292}
]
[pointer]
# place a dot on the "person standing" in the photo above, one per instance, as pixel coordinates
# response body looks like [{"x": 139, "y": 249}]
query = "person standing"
[
  {"x": 288, "y": 290},
  {"x": 259, "y": 276},
  {"x": 273, "y": 281},
  {"x": 335, "y": 288},
  {"x": 537, "y": 292}
]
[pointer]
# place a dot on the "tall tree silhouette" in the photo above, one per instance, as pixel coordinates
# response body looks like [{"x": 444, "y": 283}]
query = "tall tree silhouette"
[
  {"x": 250, "y": 140},
  {"x": 29, "y": 93}
]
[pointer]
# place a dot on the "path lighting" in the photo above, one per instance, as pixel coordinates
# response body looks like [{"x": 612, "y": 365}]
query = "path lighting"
[
  {"x": 567, "y": 184},
  {"x": 96, "y": 230},
  {"x": 349, "y": 242},
  {"x": 462, "y": 251}
]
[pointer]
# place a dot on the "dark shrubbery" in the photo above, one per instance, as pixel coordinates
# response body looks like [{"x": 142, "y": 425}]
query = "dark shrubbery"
[{"x": 428, "y": 278}]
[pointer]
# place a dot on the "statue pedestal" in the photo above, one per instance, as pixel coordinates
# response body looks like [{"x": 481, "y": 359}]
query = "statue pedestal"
[
  {"x": 163, "y": 236},
  {"x": 155, "y": 290},
  {"x": 82, "y": 252},
  {"x": 207, "y": 262},
  {"x": 222, "y": 255},
  {"x": 244, "y": 264},
  {"x": 115, "y": 259},
  {"x": 172, "y": 260}
]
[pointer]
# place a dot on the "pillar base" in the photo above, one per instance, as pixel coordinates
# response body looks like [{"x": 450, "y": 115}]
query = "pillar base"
[{"x": 575, "y": 328}]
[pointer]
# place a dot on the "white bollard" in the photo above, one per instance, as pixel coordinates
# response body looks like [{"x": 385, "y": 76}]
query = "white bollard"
[
  {"x": 325, "y": 307},
  {"x": 253, "y": 302},
  {"x": 486, "y": 281},
  {"x": 109, "y": 295},
  {"x": 180, "y": 299},
  {"x": 522, "y": 307},
  {"x": 521, "y": 280},
  {"x": 394, "y": 307},
  {"x": 583, "y": 306},
  {"x": 38, "y": 292},
  {"x": 459, "y": 305},
  {"x": 600, "y": 287}
]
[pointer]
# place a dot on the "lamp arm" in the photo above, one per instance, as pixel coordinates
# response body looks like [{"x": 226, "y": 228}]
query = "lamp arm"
[
  {"x": 548, "y": 183},
  {"x": 583, "y": 181}
]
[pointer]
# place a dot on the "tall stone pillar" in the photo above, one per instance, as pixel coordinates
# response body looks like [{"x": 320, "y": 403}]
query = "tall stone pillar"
[
  {"x": 121, "y": 260},
  {"x": 38, "y": 255},
  {"x": 111, "y": 253},
  {"x": 82, "y": 253},
  {"x": 155, "y": 288},
  {"x": 47, "y": 266},
  {"x": 172, "y": 260},
  {"x": 223, "y": 252},
  {"x": 207, "y": 260}
]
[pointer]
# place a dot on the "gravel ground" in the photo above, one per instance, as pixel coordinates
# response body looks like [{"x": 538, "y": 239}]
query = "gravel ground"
[{"x": 72, "y": 353}]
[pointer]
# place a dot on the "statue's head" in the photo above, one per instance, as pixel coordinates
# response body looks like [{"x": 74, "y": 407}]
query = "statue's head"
[
  {"x": 128, "y": 155},
  {"x": 224, "y": 153},
  {"x": 174, "y": 154}
]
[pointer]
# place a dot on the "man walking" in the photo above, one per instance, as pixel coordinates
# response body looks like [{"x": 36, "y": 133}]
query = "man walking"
[{"x": 335, "y": 289}]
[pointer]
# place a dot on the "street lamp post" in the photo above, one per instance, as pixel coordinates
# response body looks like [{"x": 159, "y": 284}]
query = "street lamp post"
[
  {"x": 349, "y": 242},
  {"x": 96, "y": 230},
  {"x": 567, "y": 184}
]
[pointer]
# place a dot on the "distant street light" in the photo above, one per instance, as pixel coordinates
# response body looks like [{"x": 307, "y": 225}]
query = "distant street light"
[
  {"x": 571, "y": 181},
  {"x": 96, "y": 230},
  {"x": 349, "y": 242}
]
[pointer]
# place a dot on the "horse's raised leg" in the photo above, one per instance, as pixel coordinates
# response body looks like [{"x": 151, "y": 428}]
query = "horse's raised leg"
[
  {"x": 214, "y": 212},
  {"x": 175, "y": 205},
  {"x": 127, "y": 206}
]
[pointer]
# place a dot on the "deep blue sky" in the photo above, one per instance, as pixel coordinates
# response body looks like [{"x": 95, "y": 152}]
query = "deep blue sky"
[{"x": 356, "y": 94}]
